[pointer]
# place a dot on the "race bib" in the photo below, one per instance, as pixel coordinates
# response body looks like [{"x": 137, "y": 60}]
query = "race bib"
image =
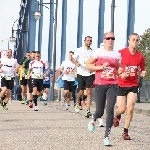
[
  {"x": 37, "y": 75},
  {"x": 108, "y": 72},
  {"x": 7, "y": 78},
  {"x": 85, "y": 61},
  {"x": 26, "y": 77}
]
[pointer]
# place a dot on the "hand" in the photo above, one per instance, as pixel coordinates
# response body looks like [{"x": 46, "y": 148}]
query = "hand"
[
  {"x": 1, "y": 65},
  {"x": 65, "y": 72},
  {"x": 106, "y": 64},
  {"x": 78, "y": 64},
  {"x": 124, "y": 75},
  {"x": 143, "y": 74},
  {"x": 120, "y": 70},
  {"x": 1, "y": 70},
  {"x": 44, "y": 75}
]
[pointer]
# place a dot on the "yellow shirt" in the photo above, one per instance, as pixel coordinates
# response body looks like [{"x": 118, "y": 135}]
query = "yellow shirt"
[{"x": 20, "y": 73}]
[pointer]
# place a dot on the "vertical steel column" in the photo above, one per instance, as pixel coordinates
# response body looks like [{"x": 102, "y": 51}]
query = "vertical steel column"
[
  {"x": 54, "y": 53},
  {"x": 130, "y": 19},
  {"x": 32, "y": 26},
  {"x": 112, "y": 15},
  {"x": 63, "y": 32},
  {"x": 40, "y": 27},
  {"x": 50, "y": 43},
  {"x": 80, "y": 24},
  {"x": 101, "y": 22}
]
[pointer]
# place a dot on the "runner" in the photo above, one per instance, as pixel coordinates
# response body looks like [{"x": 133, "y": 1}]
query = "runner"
[
  {"x": 68, "y": 69},
  {"x": 105, "y": 62},
  {"x": 132, "y": 59},
  {"x": 8, "y": 67},
  {"x": 60, "y": 90},
  {"x": 80, "y": 58},
  {"x": 36, "y": 68},
  {"x": 29, "y": 82},
  {"x": 46, "y": 84},
  {"x": 23, "y": 77}
]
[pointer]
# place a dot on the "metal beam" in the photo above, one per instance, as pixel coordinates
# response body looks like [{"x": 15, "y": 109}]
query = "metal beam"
[
  {"x": 50, "y": 43},
  {"x": 80, "y": 24},
  {"x": 101, "y": 22},
  {"x": 130, "y": 19},
  {"x": 63, "y": 33},
  {"x": 40, "y": 28},
  {"x": 54, "y": 54},
  {"x": 32, "y": 25}
]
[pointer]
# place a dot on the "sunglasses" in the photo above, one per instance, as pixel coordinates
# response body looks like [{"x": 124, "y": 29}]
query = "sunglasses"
[
  {"x": 37, "y": 56},
  {"x": 108, "y": 38}
]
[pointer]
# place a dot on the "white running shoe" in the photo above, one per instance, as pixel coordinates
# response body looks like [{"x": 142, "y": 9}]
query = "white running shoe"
[
  {"x": 101, "y": 123},
  {"x": 36, "y": 108}
]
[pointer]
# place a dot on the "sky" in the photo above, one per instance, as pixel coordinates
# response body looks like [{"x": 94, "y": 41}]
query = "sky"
[{"x": 9, "y": 12}]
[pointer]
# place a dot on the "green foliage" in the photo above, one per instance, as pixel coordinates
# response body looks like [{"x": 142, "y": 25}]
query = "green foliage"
[{"x": 144, "y": 47}]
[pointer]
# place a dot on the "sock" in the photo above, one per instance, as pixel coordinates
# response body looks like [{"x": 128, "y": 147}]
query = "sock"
[
  {"x": 80, "y": 102},
  {"x": 35, "y": 99},
  {"x": 4, "y": 104},
  {"x": 84, "y": 97},
  {"x": 126, "y": 130},
  {"x": 66, "y": 105}
]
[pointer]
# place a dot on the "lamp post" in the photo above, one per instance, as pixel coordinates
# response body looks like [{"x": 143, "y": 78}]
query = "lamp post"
[
  {"x": 37, "y": 16},
  {"x": 112, "y": 15}
]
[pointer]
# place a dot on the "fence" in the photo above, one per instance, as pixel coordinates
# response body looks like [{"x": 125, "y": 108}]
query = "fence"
[{"x": 144, "y": 92}]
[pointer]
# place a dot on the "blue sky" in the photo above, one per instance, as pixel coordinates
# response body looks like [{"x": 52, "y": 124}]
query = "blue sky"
[{"x": 9, "y": 12}]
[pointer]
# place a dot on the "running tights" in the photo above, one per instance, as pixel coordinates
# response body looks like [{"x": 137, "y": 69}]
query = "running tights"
[{"x": 103, "y": 92}]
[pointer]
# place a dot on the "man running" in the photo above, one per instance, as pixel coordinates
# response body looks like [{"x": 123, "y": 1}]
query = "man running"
[
  {"x": 29, "y": 82},
  {"x": 36, "y": 68},
  {"x": 80, "y": 58},
  {"x": 132, "y": 59},
  {"x": 46, "y": 84},
  {"x": 68, "y": 69},
  {"x": 23, "y": 76},
  {"x": 8, "y": 67}
]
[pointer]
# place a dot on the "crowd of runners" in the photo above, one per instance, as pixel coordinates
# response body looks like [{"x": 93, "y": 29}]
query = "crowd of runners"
[{"x": 111, "y": 73}]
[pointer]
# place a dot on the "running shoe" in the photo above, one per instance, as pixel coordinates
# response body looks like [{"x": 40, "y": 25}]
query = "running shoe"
[
  {"x": 101, "y": 123},
  {"x": 126, "y": 136},
  {"x": 116, "y": 120},
  {"x": 36, "y": 108},
  {"x": 107, "y": 142},
  {"x": 77, "y": 109},
  {"x": 5, "y": 108},
  {"x": 45, "y": 102},
  {"x": 88, "y": 114},
  {"x": 91, "y": 125},
  {"x": 31, "y": 105}
]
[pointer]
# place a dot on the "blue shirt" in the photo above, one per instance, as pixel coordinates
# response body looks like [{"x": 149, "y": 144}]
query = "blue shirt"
[
  {"x": 76, "y": 81},
  {"x": 60, "y": 82},
  {"x": 47, "y": 79}
]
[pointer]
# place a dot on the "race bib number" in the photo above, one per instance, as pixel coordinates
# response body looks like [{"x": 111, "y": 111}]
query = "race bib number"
[
  {"x": 7, "y": 78},
  {"x": 108, "y": 72},
  {"x": 131, "y": 70}
]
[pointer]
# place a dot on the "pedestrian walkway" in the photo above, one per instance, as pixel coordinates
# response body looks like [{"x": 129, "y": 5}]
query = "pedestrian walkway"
[{"x": 53, "y": 128}]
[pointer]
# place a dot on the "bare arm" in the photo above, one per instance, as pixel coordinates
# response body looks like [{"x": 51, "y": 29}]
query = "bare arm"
[{"x": 91, "y": 65}]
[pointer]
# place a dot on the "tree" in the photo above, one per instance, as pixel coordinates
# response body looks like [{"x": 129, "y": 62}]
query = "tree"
[{"x": 144, "y": 47}]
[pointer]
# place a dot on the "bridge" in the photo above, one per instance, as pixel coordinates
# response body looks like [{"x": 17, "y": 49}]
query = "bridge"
[{"x": 53, "y": 128}]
